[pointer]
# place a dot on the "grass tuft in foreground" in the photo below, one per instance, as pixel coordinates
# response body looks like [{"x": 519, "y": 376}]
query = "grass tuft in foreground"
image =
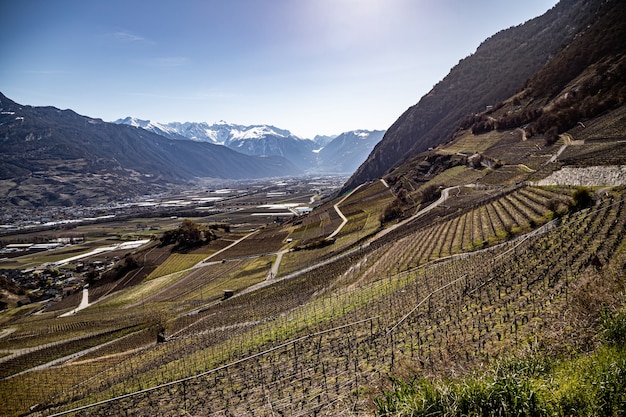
[{"x": 586, "y": 385}]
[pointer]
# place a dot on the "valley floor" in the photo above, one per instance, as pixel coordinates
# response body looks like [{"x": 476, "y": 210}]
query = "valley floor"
[{"x": 445, "y": 292}]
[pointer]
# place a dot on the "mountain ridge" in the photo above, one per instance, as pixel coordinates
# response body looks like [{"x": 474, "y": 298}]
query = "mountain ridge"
[
  {"x": 53, "y": 156},
  {"x": 500, "y": 66},
  {"x": 566, "y": 121},
  {"x": 307, "y": 154}
]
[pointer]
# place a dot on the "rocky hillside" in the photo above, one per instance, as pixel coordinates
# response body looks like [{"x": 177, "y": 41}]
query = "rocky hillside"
[
  {"x": 497, "y": 69},
  {"x": 565, "y": 125}
]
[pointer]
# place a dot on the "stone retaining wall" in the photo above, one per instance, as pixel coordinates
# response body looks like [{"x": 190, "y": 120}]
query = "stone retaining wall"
[{"x": 611, "y": 175}]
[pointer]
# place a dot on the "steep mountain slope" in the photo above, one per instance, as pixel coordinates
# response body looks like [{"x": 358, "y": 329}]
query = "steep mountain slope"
[
  {"x": 52, "y": 156},
  {"x": 570, "y": 114},
  {"x": 585, "y": 80},
  {"x": 494, "y": 72},
  {"x": 347, "y": 151}
]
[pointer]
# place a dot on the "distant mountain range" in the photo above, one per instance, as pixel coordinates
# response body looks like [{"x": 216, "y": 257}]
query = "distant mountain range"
[
  {"x": 58, "y": 157},
  {"x": 324, "y": 154},
  {"x": 347, "y": 151}
]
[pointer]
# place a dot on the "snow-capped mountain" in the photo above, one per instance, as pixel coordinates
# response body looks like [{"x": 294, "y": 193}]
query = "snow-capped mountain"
[
  {"x": 348, "y": 151},
  {"x": 323, "y": 140},
  {"x": 263, "y": 140},
  {"x": 341, "y": 153},
  {"x": 269, "y": 140},
  {"x": 216, "y": 133},
  {"x": 155, "y": 127},
  {"x": 221, "y": 133}
]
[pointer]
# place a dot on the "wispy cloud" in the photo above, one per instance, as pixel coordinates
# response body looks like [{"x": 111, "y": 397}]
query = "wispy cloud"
[{"x": 127, "y": 36}]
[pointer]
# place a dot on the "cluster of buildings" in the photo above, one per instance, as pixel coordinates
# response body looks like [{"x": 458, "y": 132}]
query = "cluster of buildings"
[
  {"x": 51, "y": 284},
  {"x": 46, "y": 282}
]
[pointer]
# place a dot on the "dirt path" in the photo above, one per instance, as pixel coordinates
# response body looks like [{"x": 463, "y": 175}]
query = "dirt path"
[
  {"x": 274, "y": 269},
  {"x": 344, "y": 220},
  {"x": 444, "y": 196},
  {"x": 203, "y": 262},
  {"x": 6, "y": 332},
  {"x": 568, "y": 140}
]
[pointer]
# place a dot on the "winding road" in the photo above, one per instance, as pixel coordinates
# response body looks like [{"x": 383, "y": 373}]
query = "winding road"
[
  {"x": 444, "y": 196},
  {"x": 344, "y": 220}
]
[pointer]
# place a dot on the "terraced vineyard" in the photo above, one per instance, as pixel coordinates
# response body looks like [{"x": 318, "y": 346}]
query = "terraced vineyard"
[
  {"x": 515, "y": 211},
  {"x": 363, "y": 209},
  {"x": 322, "y": 343},
  {"x": 176, "y": 262},
  {"x": 268, "y": 240},
  {"x": 319, "y": 224}
]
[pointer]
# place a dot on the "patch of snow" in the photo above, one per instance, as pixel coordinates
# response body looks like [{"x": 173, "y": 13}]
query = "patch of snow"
[{"x": 255, "y": 132}]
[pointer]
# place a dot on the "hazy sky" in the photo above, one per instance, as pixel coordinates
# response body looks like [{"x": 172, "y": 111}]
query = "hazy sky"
[{"x": 310, "y": 66}]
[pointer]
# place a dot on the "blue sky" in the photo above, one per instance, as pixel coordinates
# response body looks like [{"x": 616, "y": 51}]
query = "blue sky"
[{"x": 310, "y": 66}]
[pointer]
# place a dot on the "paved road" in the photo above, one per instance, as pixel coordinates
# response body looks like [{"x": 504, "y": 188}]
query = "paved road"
[
  {"x": 204, "y": 261},
  {"x": 444, "y": 196},
  {"x": 276, "y": 264},
  {"x": 84, "y": 303}
]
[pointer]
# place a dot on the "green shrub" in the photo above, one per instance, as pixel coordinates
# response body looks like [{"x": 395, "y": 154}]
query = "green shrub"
[
  {"x": 593, "y": 385},
  {"x": 502, "y": 394},
  {"x": 582, "y": 198},
  {"x": 614, "y": 326}
]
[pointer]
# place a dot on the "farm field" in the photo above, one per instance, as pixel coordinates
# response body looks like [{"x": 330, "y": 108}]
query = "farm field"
[{"x": 321, "y": 340}]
